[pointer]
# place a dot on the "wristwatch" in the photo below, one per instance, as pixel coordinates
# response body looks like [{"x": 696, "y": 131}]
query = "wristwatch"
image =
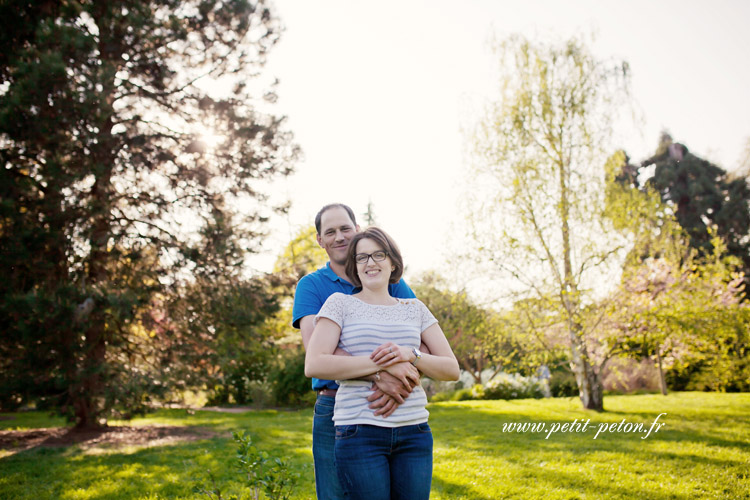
[{"x": 417, "y": 354}]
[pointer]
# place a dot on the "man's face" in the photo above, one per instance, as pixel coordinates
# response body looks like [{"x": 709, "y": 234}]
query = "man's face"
[{"x": 336, "y": 230}]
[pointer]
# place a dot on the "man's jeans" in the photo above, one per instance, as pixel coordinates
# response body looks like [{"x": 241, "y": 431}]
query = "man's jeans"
[
  {"x": 382, "y": 463},
  {"x": 327, "y": 486}
]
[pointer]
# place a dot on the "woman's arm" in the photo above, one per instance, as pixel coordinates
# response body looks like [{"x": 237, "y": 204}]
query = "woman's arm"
[
  {"x": 320, "y": 361},
  {"x": 441, "y": 364}
]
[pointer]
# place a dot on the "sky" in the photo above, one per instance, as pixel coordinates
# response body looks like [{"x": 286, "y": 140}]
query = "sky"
[{"x": 377, "y": 95}]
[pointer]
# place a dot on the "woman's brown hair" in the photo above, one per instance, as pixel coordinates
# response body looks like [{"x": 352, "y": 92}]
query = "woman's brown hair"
[{"x": 386, "y": 243}]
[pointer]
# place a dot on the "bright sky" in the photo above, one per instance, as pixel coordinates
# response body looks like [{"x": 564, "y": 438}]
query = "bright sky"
[{"x": 376, "y": 94}]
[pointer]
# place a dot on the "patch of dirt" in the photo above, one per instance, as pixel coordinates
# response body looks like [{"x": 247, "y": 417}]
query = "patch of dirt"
[{"x": 109, "y": 437}]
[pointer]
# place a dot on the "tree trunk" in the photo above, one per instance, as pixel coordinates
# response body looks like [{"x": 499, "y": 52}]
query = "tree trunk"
[
  {"x": 589, "y": 385},
  {"x": 662, "y": 380},
  {"x": 590, "y": 388},
  {"x": 89, "y": 402}
]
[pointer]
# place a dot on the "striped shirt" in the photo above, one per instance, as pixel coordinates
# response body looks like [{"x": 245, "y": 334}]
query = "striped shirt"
[{"x": 363, "y": 328}]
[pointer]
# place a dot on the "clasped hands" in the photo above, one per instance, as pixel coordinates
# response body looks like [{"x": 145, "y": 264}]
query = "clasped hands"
[{"x": 398, "y": 377}]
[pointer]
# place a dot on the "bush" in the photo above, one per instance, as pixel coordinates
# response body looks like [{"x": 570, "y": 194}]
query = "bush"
[
  {"x": 476, "y": 392},
  {"x": 562, "y": 384},
  {"x": 505, "y": 386},
  {"x": 459, "y": 395},
  {"x": 283, "y": 384},
  {"x": 442, "y": 396},
  {"x": 290, "y": 386}
]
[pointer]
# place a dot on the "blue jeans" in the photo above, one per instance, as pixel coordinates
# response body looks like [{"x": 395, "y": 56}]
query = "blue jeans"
[
  {"x": 383, "y": 463},
  {"x": 327, "y": 486}
]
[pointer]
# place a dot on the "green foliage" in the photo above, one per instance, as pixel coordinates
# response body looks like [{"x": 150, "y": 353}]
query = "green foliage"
[
  {"x": 302, "y": 255},
  {"x": 681, "y": 307},
  {"x": 482, "y": 338},
  {"x": 719, "y": 359},
  {"x": 290, "y": 385},
  {"x": 539, "y": 151},
  {"x": 114, "y": 211},
  {"x": 705, "y": 200},
  {"x": 262, "y": 473},
  {"x": 562, "y": 384},
  {"x": 502, "y": 386}
]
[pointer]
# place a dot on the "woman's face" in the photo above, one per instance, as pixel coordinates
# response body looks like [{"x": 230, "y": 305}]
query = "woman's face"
[{"x": 373, "y": 274}]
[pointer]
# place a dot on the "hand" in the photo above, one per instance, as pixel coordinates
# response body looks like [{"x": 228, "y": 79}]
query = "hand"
[
  {"x": 393, "y": 387},
  {"x": 387, "y": 394},
  {"x": 405, "y": 373},
  {"x": 382, "y": 403},
  {"x": 389, "y": 354}
]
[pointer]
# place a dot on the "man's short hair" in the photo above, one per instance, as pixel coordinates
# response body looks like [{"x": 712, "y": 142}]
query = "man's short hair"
[
  {"x": 386, "y": 243},
  {"x": 319, "y": 216}
]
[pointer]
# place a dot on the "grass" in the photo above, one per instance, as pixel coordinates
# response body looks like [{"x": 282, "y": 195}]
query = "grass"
[{"x": 702, "y": 451}]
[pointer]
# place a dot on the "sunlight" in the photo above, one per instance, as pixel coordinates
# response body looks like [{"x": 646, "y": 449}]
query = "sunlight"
[
  {"x": 211, "y": 140},
  {"x": 207, "y": 141}
]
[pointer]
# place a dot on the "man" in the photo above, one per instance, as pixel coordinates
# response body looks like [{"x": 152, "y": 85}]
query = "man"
[{"x": 336, "y": 225}]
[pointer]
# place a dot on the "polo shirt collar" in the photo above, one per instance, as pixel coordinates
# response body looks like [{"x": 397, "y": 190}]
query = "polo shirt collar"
[{"x": 328, "y": 273}]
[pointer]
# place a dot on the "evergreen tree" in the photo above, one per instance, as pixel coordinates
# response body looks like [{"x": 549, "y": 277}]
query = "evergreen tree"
[
  {"x": 113, "y": 196},
  {"x": 705, "y": 200}
]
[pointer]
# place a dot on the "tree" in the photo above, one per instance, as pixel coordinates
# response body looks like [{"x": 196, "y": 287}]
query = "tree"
[
  {"x": 540, "y": 151},
  {"x": 682, "y": 312},
  {"x": 301, "y": 256},
  {"x": 468, "y": 327},
  {"x": 674, "y": 304},
  {"x": 702, "y": 196},
  {"x": 369, "y": 215},
  {"x": 112, "y": 196}
]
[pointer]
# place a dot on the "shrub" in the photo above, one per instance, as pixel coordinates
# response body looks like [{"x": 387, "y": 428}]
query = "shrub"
[
  {"x": 562, "y": 384},
  {"x": 463, "y": 395},
  {"x": 477, "y": 392},
  {"x": 513, "y": 386},
  {"x": 442, "y": 396},
  {"x": 261, "y": 472},
  {"x": 287, "y": 378}
]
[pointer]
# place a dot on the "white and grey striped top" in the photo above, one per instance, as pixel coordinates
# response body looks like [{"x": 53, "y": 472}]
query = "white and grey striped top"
[{"x": 363, "y": 328}]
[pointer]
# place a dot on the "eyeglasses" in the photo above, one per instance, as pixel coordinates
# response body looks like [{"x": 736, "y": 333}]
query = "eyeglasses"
[{"x": 379, "y": 256}]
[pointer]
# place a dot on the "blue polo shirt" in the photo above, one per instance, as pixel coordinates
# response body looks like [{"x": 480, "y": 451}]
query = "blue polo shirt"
[{"x": 315, "y": 288}]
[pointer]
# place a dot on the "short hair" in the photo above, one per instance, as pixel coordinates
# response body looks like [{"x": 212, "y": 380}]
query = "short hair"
[
  {"x": 320, "y": 213},
  {"x": 386, "y": 242}
]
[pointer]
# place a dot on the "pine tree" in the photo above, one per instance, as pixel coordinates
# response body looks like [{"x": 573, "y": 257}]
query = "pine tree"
[
  {"x": 113, "y": 197},
  {"x": 706, "y": 201}
]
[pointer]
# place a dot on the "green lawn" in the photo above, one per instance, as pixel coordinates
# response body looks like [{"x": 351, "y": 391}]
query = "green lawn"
[{"x": 702, "y": 451}]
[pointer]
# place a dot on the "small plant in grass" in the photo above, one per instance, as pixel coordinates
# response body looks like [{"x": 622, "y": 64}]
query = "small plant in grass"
[{"x": 266, "y": 475}]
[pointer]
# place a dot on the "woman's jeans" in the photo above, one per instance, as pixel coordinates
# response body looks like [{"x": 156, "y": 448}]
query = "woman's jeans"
[
  {"x": 327, "y": 485},
  {"x": 383, "y": 463}
]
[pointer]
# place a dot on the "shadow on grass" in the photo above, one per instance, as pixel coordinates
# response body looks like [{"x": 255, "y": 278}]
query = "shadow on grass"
[
  {"x": 708, "y": 428},
  {"x": 454, "y": 490},
  {"x": 682, "y": 460},
  {"x": 168, "y": 471}
]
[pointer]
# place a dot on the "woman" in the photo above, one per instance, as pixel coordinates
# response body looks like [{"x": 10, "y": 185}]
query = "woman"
[{"x": 379, "y": 458}]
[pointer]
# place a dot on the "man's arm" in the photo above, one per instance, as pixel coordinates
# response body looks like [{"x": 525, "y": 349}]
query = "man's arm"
[
  {"x": 306, "y": 328},
  {"x": 389, "y": 393}
]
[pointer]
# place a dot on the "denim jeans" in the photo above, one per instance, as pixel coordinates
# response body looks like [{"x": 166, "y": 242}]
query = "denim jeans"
[
  {"x": 383, "y": 463},
  {"x": 327, "y": 486}
]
